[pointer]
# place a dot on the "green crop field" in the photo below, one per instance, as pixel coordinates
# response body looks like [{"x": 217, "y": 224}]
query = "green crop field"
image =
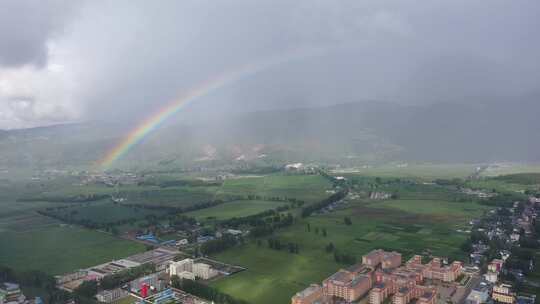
[
  {"x": 310, "y": 188},
  {"x": 234, "y": 209},
  {"x": 60, "y": 248},
  {"x": 408, "y": 226},
  {"x": 449, "y": 211}
]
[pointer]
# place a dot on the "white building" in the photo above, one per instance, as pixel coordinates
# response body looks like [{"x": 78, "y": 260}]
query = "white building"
[
  {"x": 108, "y": 296},
  {"x": 175, "y": 268},
  {"x": 514, "y": 237},
  {"x": 479, "y": 294},
  {"x": 182, "y": 242},
  {"x": 491, "y": 276},
  {"x": 187, "y": 275},
  {"x": 204, "y": 271}
]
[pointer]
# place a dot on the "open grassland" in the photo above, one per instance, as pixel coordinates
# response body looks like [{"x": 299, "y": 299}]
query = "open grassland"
[
  {"x": 59, "y": 248},
  {"x": 408, "y": 226},
  {"x": 234, "y": 209},
  {"x": 511, "y": 168},
  {"x": 310, "y": 188},
  {"x": 413, "y": 171}
]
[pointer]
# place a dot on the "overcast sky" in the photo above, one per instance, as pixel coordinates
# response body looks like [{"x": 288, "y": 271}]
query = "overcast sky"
[{"x": 65, "y": 61}]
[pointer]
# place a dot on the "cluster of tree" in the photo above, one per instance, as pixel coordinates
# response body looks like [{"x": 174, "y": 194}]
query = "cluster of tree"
[
  {"x": 82, "y": 198},
  {"x": 181, "y": 222},
  {"x": 457, "y": 182},
  {"x": 330, "y": 247},
  {"x": 316, "y": 230},
  {"x": 88, "y": 289},
  {"x": 343, "y": 258},
  {"x": 256, "y": 170},
  {"x": 347, "y": 221},
  {"x": 308, "y": 210},
  {"x": 203, "y": 291},
  {"x": 36, "y": 279},
  {"x": 194, "y": 207},
  {"x": 521, "y": 258},
  {"x": 120, "y": 278},
  {"x": 255, "y": 197},
  {"x": 69, "y": 217},
  {"x": 529, "y": 242},
  {"x": 221, "y": 244},
  {"x": 276, "y": 244},
  {"x": 180, "y": 183},
  {"x": 269, "y": 220}
]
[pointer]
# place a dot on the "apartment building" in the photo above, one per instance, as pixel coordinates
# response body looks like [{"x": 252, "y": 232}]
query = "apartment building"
[
  {"x": 435, "y": 270},
  {"x": 204, "y": 271},
  {"x": 199, "y": 270},
  {"x": 175, "y": 268},
  {"x": 349, "y": 284},
  {"x": 428, "y": 297},
  {"x": 311, "y": 295},
  {"x": 382, "y": 275},
  {"x": 383, "y": 258}
]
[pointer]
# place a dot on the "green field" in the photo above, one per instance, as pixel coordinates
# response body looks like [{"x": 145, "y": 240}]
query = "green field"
[
  {"x": 60, "y": 248},
  {"x": 234, "y": 209},
  {"x": 408, "y": 226},
  {"x": 310, "y": 188}
]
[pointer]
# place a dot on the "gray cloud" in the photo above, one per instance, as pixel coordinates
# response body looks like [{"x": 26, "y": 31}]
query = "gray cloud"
[
  {"x": 26, "y": 26},
  {"x": 123, "y": 59}
]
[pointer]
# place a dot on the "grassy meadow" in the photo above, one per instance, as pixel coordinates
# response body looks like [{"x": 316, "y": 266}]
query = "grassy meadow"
[
  {"x": 310, "y": 188},
  {"x": 408, "y": 226},
  {"x": 57, "y": 248}
]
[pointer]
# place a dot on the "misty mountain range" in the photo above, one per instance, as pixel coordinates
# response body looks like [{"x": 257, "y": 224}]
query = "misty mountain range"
[{"x": 363, "y": 132}]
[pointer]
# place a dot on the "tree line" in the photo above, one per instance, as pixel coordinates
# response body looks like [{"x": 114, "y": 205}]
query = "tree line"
[{"x": 308, "y": 210}]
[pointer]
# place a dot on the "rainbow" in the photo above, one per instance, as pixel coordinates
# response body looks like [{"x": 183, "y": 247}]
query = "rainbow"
[{"x": 154, "y": 121}]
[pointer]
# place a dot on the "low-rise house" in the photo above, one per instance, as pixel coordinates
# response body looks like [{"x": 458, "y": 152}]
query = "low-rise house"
[
  {"x": 479, "y": 294},
  {"x": 182, "y": 242},
  {"x": 495, "y": 265},
  {"x": 514, "y": 237},
  {"x": 11, "y": 293},
  {"x": 491, "y": 276},
  {"x": 503, "y": 293}
]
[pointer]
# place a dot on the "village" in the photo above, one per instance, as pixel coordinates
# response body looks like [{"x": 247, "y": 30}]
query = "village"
[{"x": 381, "y": 277}]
